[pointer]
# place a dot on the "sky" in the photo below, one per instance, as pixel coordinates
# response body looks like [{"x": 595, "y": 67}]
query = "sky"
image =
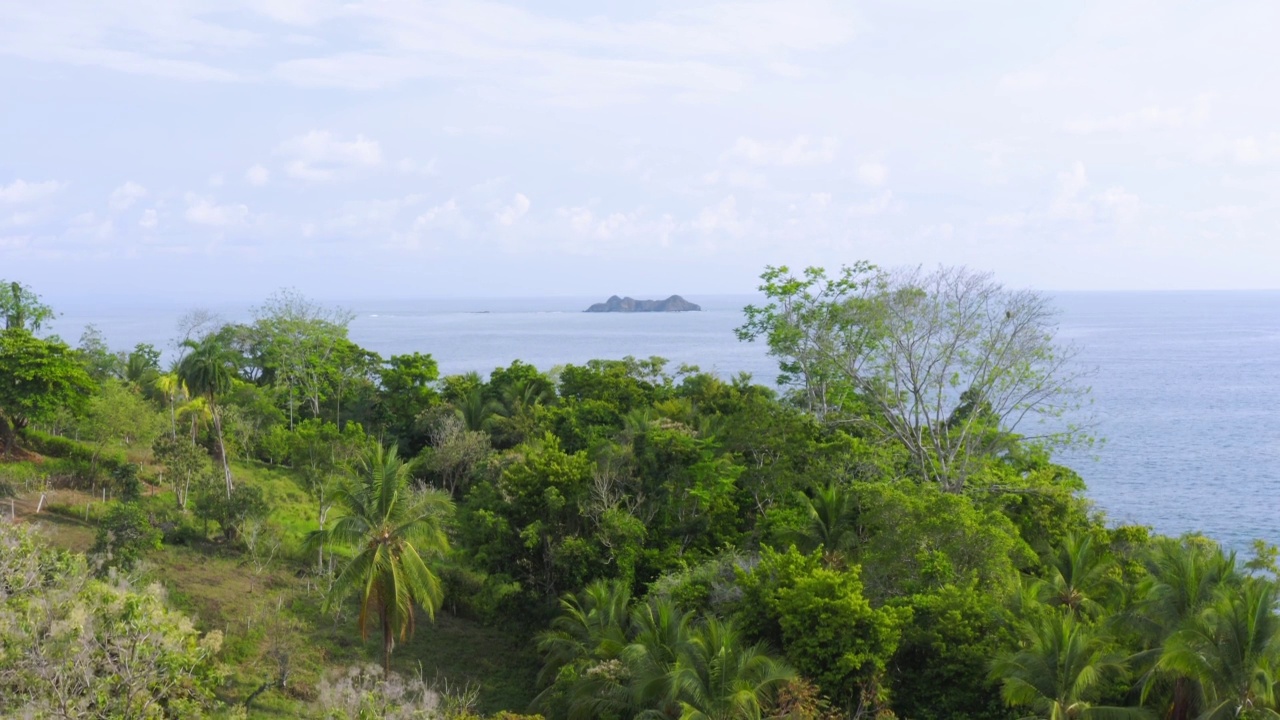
[{"x": 220, "y": 149}]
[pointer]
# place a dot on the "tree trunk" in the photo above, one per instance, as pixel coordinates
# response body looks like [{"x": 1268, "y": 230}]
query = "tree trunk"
[
  {"x": 222, "y": 450},
  {"x": 387, "y": 641},
  {"x": 9, "y": 434}
]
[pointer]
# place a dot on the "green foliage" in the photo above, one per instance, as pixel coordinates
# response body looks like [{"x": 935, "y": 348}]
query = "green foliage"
[
  {"x": 915, "y": 538},
  {"x": 72, "y": 646},
  {"x": 392, "y": 532},
  {"x": 246, "y": 503},
  {"x": 124, "y": 536},
  {"x": 529, "y": 523},
  {"x": 819, "y": 617},
  {"x": 1061, "y": 670},
  {"x": 947, "y": 363},
  {"x": 22, "y": 308},
  {"x": 940, "y": 669},
  {"x": 407, "y": 390},
  {"x": 42, "y": 378}
]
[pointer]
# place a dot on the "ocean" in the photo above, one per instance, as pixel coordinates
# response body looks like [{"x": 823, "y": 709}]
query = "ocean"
[{"x": 1186, "y": 387}]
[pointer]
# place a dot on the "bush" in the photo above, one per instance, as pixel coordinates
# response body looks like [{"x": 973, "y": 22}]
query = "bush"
[
  {"x": 125, "y": 534},
  {"x": 246, "y": 503}
]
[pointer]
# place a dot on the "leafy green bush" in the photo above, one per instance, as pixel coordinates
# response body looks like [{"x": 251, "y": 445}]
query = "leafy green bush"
[{"x": 125, "y": 534}]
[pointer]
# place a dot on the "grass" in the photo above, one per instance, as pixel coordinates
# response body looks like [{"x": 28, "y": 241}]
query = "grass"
[{"x": 270, "y": 609}]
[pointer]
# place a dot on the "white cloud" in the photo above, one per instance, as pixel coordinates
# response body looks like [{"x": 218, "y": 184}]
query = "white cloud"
[
  {"x": 149, "y": 220},
  {"x": 1122, "y": 204},
  {"x": 411, "y": 167},
  {"x": 872, "y": 174},
  {"x": 735, "y": 178},
  {"x": 1222, "y": 213},
  {"x": 1023, "y": 80},
  {"x": 203, "y": 210},
  {"x": 800, "y": 151},
  {"x": 21, "y": 192},
  {"x": 319, "y": 155},
  {"x": 1257, "y": 151},
  {"x": 509, "y": 214},
  {"x": 1067, "y": 202},
  {"x": 123, "y": 197},
  {"x": 877, "y": 205},
  {"x": 721, "y": 218},
  {"x": 1013, "y": 220},
  {"x": 1149, "y": 118},
  {"x": 583, "y": 222},
  {"x": 257, "y": 176}
]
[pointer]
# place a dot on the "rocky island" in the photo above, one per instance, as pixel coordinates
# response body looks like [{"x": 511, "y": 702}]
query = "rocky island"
[{"x": 675, "y": 303}]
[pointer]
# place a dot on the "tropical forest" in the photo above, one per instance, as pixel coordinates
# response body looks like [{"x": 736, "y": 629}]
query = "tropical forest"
[{"x": 263, "y": 519}]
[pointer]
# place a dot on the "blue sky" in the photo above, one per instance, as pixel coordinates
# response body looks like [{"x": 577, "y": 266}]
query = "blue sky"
[{"x": 393, "y": 148}]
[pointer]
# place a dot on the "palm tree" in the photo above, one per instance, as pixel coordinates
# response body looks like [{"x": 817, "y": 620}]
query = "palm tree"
[
  {"x": 391, "y": 529},
  {"x": 719, "y": 677},
  {"x": 1232, "y": 650},
  {"x": 832, "y": 519},
  {"x": 1059, "y": 671},
  {"x": 591, "y": 626},
  {"x": 590, "y": 632},
  {"x": 660, "y": 637},
  {"x": 475, "y": 410},
  {"x": 172, "y": 387},
  {"x": 1183, "y": 577},
  {"x": 209, "y": 370},
  {"x": 1079, "y": 577}
]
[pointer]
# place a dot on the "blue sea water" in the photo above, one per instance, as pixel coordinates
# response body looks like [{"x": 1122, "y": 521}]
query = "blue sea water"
[{"x": 1186, "y": 387}]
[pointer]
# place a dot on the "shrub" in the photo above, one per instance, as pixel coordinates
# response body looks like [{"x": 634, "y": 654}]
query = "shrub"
[{"x": 125, "y": 534}]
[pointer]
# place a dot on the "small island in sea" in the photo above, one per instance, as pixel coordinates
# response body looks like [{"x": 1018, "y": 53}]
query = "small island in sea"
[{"x": 675, "y": 303}]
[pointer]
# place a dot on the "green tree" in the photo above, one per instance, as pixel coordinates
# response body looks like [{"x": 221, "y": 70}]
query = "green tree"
[
  {"x": 1232, "y": 651},
  {"x": 183, "y": 463},
  {"x": 42, "y": 377},
  {"x": 1184, "y": 576},
  {"x": 22, "y": 308},
  {"x": 1079, "y": 577},
  {"x": 118, "y": 413},
  {"x": 822, "y": 622},
  {"x": 831, "y": 519},
  {"x": 407, "y": 390},
  {"x": 125, "y": 534},
  {"x": 209, "y": 370},
  {"x": 232, "y": 513},
  {"x": 75, "y": 647},
  {"x": 393, "y": 532},
  {"x": 1060, "y": 671},
  {"x": 948, "y": 363},
  {"x": 721, "y": 677}
]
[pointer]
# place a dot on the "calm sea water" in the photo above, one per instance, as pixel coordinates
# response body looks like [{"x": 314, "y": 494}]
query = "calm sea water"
[{"x": 1186, "y": 393}]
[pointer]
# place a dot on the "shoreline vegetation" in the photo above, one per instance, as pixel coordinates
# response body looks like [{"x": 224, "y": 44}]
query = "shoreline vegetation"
[{"x": 282, "y": 523}]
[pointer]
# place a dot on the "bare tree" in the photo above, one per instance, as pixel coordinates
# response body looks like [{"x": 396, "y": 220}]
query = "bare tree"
[{"x": 948, "y": 362}]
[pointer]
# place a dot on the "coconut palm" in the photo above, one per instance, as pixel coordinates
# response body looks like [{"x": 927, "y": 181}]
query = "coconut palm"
[
  {"x": 1079, "y": 576},
  {"x": 393, "y": 531},
  {"x": 832, "y": 519},
  {"x": 209, "y": 371},
  {"x": 720, "y": 677},
  {"x": 590, "y": 634},
  {"x": 660, "y": 637},
  {"x": 592, "y": 625},
  {"x": 476, "y": 410},
  {"x": 1232, "y": 651},
  {"x": 1183, "y": 577},
  {"x": 1060, "y": 671},
  {"x": 171, "y": 386}
]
